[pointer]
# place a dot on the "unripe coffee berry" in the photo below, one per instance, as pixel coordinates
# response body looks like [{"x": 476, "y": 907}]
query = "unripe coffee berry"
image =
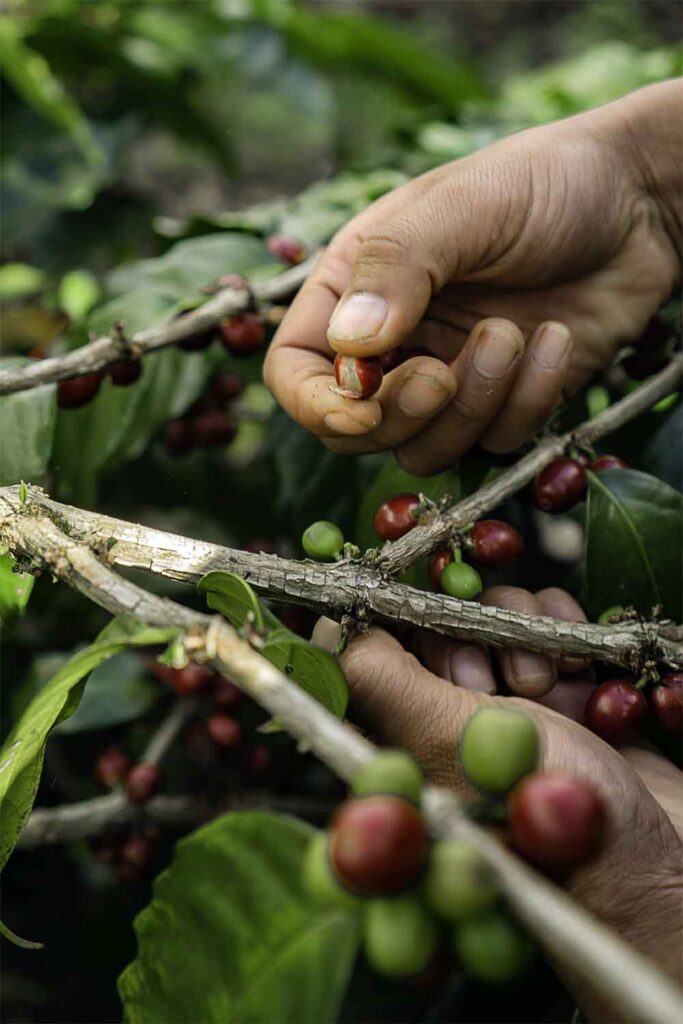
[
  {"x": 323, "y": 541},
  {"x": 76, "y": 392},
  {"x": 667, "y": 703},
  {"x": 457, "y": 882},
  {"x": 357, "y": 378},
  {"x": 125, "y": 372},
  {"x": 439, "y": 560},
  {"x": 494, "y": 543},
  {"x": 461, "y": 580},
  {"x": 289, "y": 250},
  {"x": 615, "y": 709},
  {"x": 396, "y": 516},
  {"x": 319, "y": 882},
  {"x": 611, "y": 615},
  {"x": 378, "y": 845},
  {"x": 243, "y": 333},
  {"x": 392, "y": 772},
  {"x": 492, "y": 949},
  {"x": 111, "y": 767},
  {"x": 224, "y": 730},
  {"x": 400, "y": 937},
  {"x": 606, "y": 462},
  {"x": 498, "y": 746},
  {"x": 560, "y": 485},
  {"x": 555, "y": 820},
  {"x": 143, "y": 782}
]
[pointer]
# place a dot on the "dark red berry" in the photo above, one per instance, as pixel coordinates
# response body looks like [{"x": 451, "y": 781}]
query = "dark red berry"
[
  {"x": 111, "y": 767},
  {"x": 225, "y": 386},
  {"x": 197, "y": 342},
  {"x": 606, "y": 462},
  {"x": 289, "y": 250},
  {"x": 78, "y": 391},
  {"x": 224, "y": 729},
  {"x": 187, "y": 682},
  {"x": 555, "y": 820},
  {"x": 641, "y": 365},
  {"x": 495, "y": 544},
  {"x": 243, "y": 334},
  {"x": 438, "y": 563},
  {"x": 225, "y": 694},
  {"x": 357, "y": 378},
  {"x": 378, "y": 844},
  {"x": 615, "y": 709},
  {"x": 396, "y": 516},
  {"x": 257, "y": 763},
  {"x": 125, "y": 372},
  {"x": 213, "y": 428},
  {"x": 178, "y": 437},
  {"x": 667, "y": 703},
  {"x": 138, "y": 851},
  {"x": 560, "y": 485},
  {"x": 143, "y": 782}
]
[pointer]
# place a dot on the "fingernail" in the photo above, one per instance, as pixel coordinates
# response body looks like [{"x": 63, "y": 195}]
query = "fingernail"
[
  {"x": 360, "y": 316},
  {"x": 495, "y": 352},
  {"x": 533, "y": 674},
  {"x": 420, "y": 395},
  {"x": 551, "y": 345},
  {"x": 471, "y": 670}
]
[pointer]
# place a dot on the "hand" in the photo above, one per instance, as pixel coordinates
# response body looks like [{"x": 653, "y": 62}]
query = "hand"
[{"x": 519, "y": 270}]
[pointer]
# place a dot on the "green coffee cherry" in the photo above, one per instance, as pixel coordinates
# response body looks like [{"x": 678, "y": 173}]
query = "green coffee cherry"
[
  {"x": 400, "y": 936},
  {"x": 460, "y": 580},
  {"x": 319, "y": 880},
  {"x": 492, "y": 949},
  {"x": 604, "y": 617},
  {"x": 458, "y": 884},
  {"x": 323, "y": 541},
  {"x": 392, "y": 772},
  {"x": 498, "y": 746}
]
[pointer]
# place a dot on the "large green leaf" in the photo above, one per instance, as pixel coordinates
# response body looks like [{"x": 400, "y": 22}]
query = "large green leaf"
[
  {"x": 15, "y": 588},
  {"x": 232, "y": 597},
  {"x": 21, "y": 756},
  {"x": 633, "y": 543},
  {"x": 27, "y": 421},
  {"x": 230, "y": 937},
  {"x": 119, "y": 690}
]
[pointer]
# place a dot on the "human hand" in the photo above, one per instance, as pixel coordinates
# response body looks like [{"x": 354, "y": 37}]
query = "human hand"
[{"x": 519, "y": 270}]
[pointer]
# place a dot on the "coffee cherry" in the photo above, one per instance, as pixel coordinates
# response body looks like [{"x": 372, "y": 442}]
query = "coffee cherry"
[
  {"x": 606, "y": 462},
  {"x": 243, "y": 333},
  {"x": 323, "y": 541},
  {"x": 612, "y": 613},
  {"x": 495, "y": 544},
  {"x": 78, "y": 391},
  {"x": 378, "y": 845},
  {"x": 187, "y": 681},
  {"x": 319, "y": 881},
  {"x": 396, "y": 516},
  {"x": 393, "y": 772},
  {"x": 197, "y": 342},
  {"x": 111, "y": 767},
  {"x": 357, "y": 378},
  {"x": 137, "y": 850},
  {"x": 257, "y": 763},
  {"x": 667, "y": 703},
  {"x": 224, "y": 730},
  {"x": 225, "y": 386},
  {"x": 492, "y": 949},
  {"x": 178, "y": 437},
  {"x": 125, "y": 372},
  {"x": 143, "y": 782},
  {"x": 213, "y": 428},
  {"x": 498, "y": 746},
  {"x": 226, "y": 695},
  {"x": 438, "y": 562},
  {"x": 614, "y": 709},
  {"x": 289, "y": 250},
  {"x": 457, "y": 883},
  {"x": 400, "y": 936},
  {"x": 461, "y": 580},
  {"x": 560, "y": 485},
  {"x": 555, "y": 820}
]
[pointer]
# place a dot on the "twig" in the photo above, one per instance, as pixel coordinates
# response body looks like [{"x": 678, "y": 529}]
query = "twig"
[{"x": 163, "y": 738}]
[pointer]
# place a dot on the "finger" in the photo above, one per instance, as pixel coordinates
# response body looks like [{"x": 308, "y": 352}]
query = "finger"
[
  {"x": 569, "y": 698},
  {"x": 485, "y": 371},
  {"x": 526, "y": 673},
  {"x": 561, "y": 605},
  {"x": 536, "y": 390},
  {"x": 326, "y": 634},
  {"x": 464, "y": 665}
]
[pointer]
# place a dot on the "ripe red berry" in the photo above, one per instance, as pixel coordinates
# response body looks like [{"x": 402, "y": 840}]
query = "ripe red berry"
[
  {"x": 144, "y": 780},
  {"x": 357, "y": 378},
  {"x": 396, "y": 516},
  {"x": 78, "y": 391},
  {"x": 438, "y": 563},
  {"x": 187, "y": 682},
  {"x": 378, "y": 844},
  {"x": 257, "y": 763},
  {"x": 125, "y": 372},
  {"x": 224, "y": 729},
  {"x": 243, "y": 333},
  {"x": 197, "y": 342},
  {"x": 667, "y": 703},
  {"x": 495, "y": 544},
  {"x": 555, "y": 820},
  {"x": 614, "y": 709},
  {"x": 289, "y": 250},
  {"x": 606, "y": 462},
  {"x": 213, "y": 428},
  {"x": 225, "y": 694},
  {"x": 225, "y": 386},
  {"x": 111, "y": 767},
  {"x": 178, "y": 437},
  {"x": 560, "y": 485},
  {"x": 138, "y": 851}
]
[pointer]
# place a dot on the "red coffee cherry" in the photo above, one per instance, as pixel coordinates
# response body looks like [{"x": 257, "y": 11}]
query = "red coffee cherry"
[
  {"x": 495, "y": 544},
  {"x": 289, "y": 250},
  {"x": 137, "y": 850},
  {"x": 615, "y": 709},
  {"x": 187, "y": 682},
  {"x": 213, "y": 428},
  {"x": 178, "y": 437},
  {"x": 438, "y": 563},
  {"x": 226, "y": 696},
  {"x": 143, "y": 782},
  {"x": 378, "y": 844},
  {"x": 560, "y": 485},
  {"x": 225, "y": 386},
  {"x": 396, "y": 516},
  {"x": 243, "y": 333},
  {"x": 125, "y": 372},
  {"x": 555, "y": 820},
  {"x": 357, "y": 378},
  {"x": 197, "y": 342},
  {"x": 607, "y": 462},
  {"x": 257, "y": 763},
  {"x": 111, "y": 767},
  {"x": 224, "y": 730},
  {"x": 667, "y": 703},
  {"x": 78, "y": 391}
]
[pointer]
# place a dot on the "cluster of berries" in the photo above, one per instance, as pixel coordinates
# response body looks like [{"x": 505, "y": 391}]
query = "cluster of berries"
[
  {"x": 209, "y": 421},
  {"x": 619, "y": 707},
  {"x": 562, "y": 484}
]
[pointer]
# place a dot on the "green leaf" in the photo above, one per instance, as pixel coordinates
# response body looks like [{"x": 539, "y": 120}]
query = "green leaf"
[
  {"x": 230, "y": 937},
  {"x": 119, "y": 690},
  {"x": 633, "y": 549},
  {"x": 27, "y": 421},
  {"x": 312, "y": 668},
  {"x": 21, "y": 756},
  {"x": 232, "y": 597},
  {"x": 15, "y": 588}
]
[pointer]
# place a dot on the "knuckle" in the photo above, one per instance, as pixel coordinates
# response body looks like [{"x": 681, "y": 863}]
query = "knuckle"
[{"x": 384, "y": 250}]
